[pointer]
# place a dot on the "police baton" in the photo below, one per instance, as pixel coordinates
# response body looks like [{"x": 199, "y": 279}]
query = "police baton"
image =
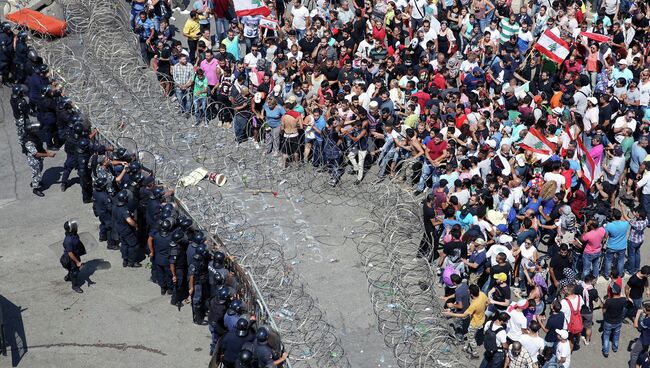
[{"x": 178, "y": 302}]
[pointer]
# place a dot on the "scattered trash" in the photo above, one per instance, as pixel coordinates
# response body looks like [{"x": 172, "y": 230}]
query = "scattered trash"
[
  {"x": 392, "y": 306},
  {"x": 282, "y": 182},
  {"x": 299, "y": 199},
  {"x": 216, "y": 178},
  {"x": 382, "y": 359},
  {"x": 295, "y": 262},
  {"x": 260, "y": 191},
  {"x": 333, "y": 260}
]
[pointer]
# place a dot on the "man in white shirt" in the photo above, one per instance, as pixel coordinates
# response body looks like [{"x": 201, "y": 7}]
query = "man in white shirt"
[
  {"x": 622, "y": 122},
  {"x": 531, "y": 341},
  {"x": 563, "y": 349},
  {"x": 556, "y": 177},
  {"x": 518, "y": 323},
  {"x": 417, "y": 12},
  {"x": 590, "y": 118},
  {"x": 299, "y": 18},
  {"x": 499, "y": 324}
]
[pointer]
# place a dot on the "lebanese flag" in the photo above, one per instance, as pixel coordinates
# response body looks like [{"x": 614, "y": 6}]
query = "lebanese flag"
[
  {"x": 251, "y": 7},
  {"x": 586, "y": 163},
  {"x": 535, "y": 142},
  {"x": 552, "y": 46},
  {"x": 596, "y": 36}
]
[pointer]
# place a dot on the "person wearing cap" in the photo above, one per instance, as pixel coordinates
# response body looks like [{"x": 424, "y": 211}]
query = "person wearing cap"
[
  {"x": 622, "y": 71},
  {"x": 562, "y": 356},
  {"x": 476, "y": 312},
  {"x": 499, "y": 296},
  {"x": 613, "y": 315}
]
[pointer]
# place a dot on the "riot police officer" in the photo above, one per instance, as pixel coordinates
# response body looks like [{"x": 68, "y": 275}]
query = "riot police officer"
[
  {"x": 159, "y": 250},
  {"x": 64, "y": 113},
  {"x": 246, "y": 359},
  {"x": 197, "y": 239},
  {"x": 217, "y": 273},
  {"x": 126, "y": 226},
  {"x": 73, "y": 249},
  {"x": 154, "y": 206},
  {"x": 6, "y": 51},
  {"x": 74, "y": 133},
  {"x": 20, "y": 109},
  {"x": 232, "y": 342},
  {"x": 217, "y": 311},
  {"x": 178, "y": 267},
  {"x": 35, "y": 83},
  {"x": 83, "y": 169},
  {"x": 199, "y": 291},
  {"x": 20, "y": 57},
  {"x": 267, "y": 355},
  {"x": 46, "y": 115},
  {"x": 33, "y": 149},
  {"x": 102, "y": 207},
  {"x": 236, "y": 310}
]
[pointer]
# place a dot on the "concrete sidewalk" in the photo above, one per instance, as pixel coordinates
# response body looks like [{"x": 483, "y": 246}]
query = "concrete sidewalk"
[{"x": 119, "y": 321}]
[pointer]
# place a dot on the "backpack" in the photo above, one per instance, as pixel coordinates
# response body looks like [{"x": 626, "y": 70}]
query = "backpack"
[
  {"x": 490, "y": 339},
  {"x": 575, "y": 321}
]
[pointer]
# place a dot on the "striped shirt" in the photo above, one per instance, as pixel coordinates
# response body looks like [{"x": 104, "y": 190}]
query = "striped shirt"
[{"x": 508, "y": 29}]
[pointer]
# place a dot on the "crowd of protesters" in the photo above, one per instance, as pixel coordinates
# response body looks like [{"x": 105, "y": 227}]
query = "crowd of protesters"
[{"x": 531, "y": 162}]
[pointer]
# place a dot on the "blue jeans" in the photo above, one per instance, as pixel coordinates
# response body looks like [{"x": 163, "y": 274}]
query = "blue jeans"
[
  {"x": 645, "y": 201},
  {"x": 239, "y": 125},
  {"x": 317, "y": 154},
  {"x": 609, "y": 255},
  {"x": 427, "y": 170},
  {"x": 611, "y": 331},
  {"x": 495, "y": 361},
  {"x": 385, "y": 157},
  {"x": 633, "y": 256},
  {"x": 184, "y": 99},
  {"x": 590, "y": 264},
  {"x": 300, "y": 33},
  {"x": 636, "y": 305},
  {"x": 221, "y": 26},
  {"x": 200, "y": 105}
]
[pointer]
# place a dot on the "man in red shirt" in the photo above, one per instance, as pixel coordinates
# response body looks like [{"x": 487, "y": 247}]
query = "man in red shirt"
[
  {"x": 440, "y": 79},
  {"x": 435, "y": 153},
  {"x": 422, "y": 97}
]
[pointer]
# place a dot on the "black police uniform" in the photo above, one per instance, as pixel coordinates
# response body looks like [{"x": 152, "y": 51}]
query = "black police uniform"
[
  {"x": 20, "y": 110},
  {"x": 215, "y": 268},
  {"x": 20, "y": 60},
  {"x": 178, "y": 260},
  {"x": 46, "y": 115},
  {"x": 35, "y": 83},
  {"x": 102, "y": 207},
  {"x": 199, "y": 271},
  {"x": 6, "y": 54},
  {"x": 84, "y": 154},
  {"x": 263, "y": 354},
  {"x": 216, "y": 313},
  {"x": 72, "y": 243},
  {"x": 70, "y": 149},
  {"x": 160, "y": 262},
  {"x": 64, "y": 116},
  {"x": 154, "y": 207},
  {"x": 128, "y": 238},
  {"x": 231, "y": 344}
]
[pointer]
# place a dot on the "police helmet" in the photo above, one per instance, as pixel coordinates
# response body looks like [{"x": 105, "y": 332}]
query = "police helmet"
[
  {"x": 238, "y": 306},
  {"x": 218, "y": 279},
  {"x": 166, "y": 225},
  {"x": 137, "y": 178},
  {"x": 121, "y": 154},
  {"x": 83, "y": 145},
  {"x": 177, "y": 236},
  {"x": 122, "y": 197},
  {"x": 22, "y": 36},
  {"x": 134, "y": 167},
  {"x": 222, "y": 295},
  {"x": 66, "y": 103},
  {"x": 246, "y": 357},
  {"x": 18, "y": 90},
  {"x": 43, "y": 69},
  {"x": 77, "y": 119},
  {"x": 71, "y": 226},
  {"x": 185, "y": 223},
  {"x": 218, "y": 257},
  {"x": 5, "y": 27},
  {"x": 242, "y": 327},
  {"x": 262, "y": 335},
  {"x": 157, "y": 193},
  {"x": 100, "y": 183},
  {"x": 46, "y": 90},
  {"x": 32, "y": 55},
  {"x": 166, "y": 214},
  {"x": 199, "y": 237}
]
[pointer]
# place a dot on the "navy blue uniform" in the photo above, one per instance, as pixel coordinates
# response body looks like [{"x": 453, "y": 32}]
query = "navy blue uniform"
[
  {"x": 128, "y": 238},
  {"x": 230, "y": 320},
  {"x": 215, "y": 320},
  {"x": 198, "y": 270},
  {"x": 6, "y": 54},
  {"x": 20, "y": 61},
  {"x": 154, "y": 207},
  {"x": 102, "y": 207},
  {"x": 47, "y": 117},
  {"x": 178, "y": 260},
  {"x": 160, "y": 262},
  {"x": 231, "y": 344},
  {"x": 83, "y": 170},
  {"x": 72, "y": 243},
  {"x": 35, "y": 83},
  {"x": 70, "y": 149}
]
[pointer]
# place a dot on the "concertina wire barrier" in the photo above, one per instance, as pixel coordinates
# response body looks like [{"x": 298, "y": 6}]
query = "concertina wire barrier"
[{"x": 99, "y": 66}]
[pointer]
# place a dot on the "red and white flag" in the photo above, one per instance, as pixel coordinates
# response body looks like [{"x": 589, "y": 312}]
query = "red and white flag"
[
  {"x": 535, "y": 142},
  {"x": 589, "y": 169},
  {"x": 596, "y": 36},
  {"x": 251, "y": 7},
  {"x": 552, "y": 46}
]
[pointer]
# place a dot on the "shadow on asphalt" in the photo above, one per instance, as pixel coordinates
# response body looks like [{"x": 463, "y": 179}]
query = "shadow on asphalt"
[{"x": 12, "y": 331}]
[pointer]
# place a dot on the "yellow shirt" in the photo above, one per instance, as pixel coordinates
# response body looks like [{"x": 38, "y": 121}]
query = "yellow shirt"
[
  {"x": 192, "y": 28},
  {"x": 477, "y": 310}
]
